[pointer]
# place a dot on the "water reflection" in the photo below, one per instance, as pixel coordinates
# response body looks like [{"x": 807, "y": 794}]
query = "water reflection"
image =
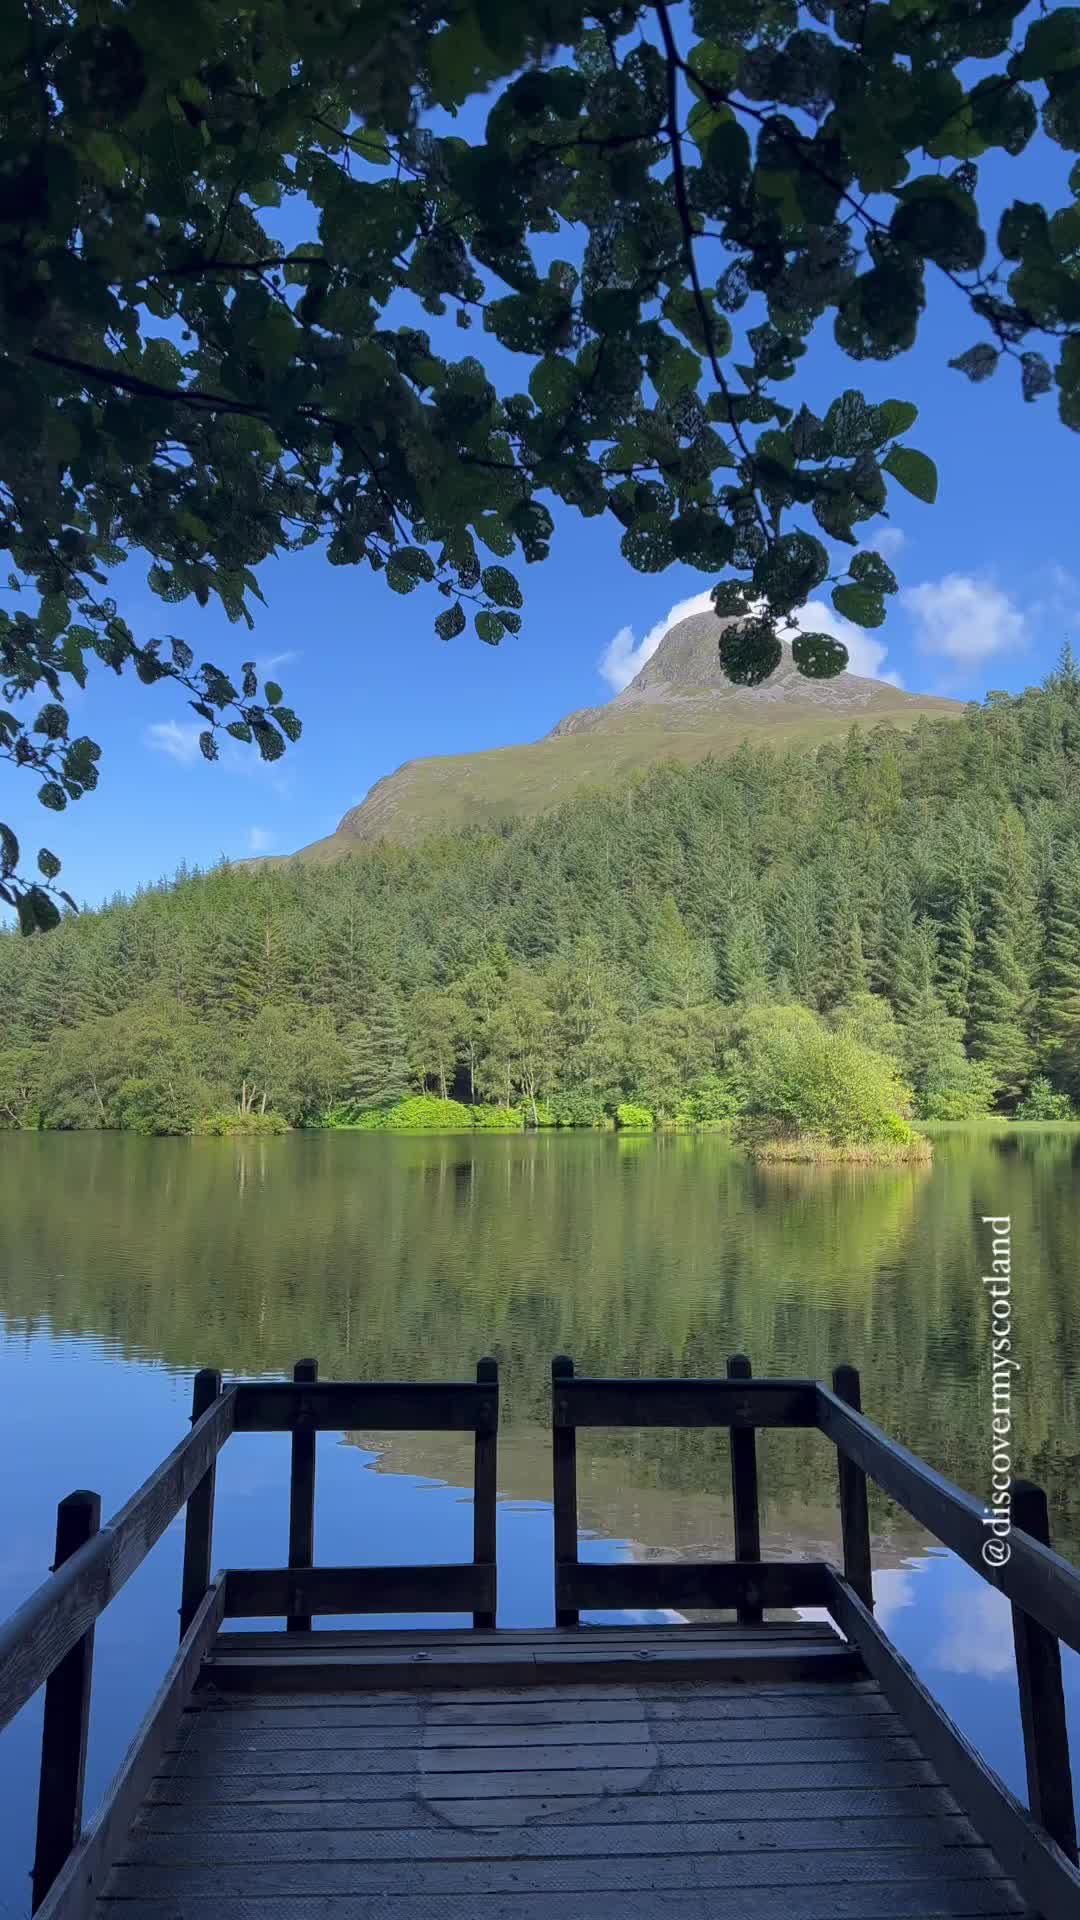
[{"x": 124, "y": 1264}]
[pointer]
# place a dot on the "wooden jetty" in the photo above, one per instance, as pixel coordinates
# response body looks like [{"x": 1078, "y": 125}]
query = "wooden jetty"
[{"x": 759, "y": 1769}]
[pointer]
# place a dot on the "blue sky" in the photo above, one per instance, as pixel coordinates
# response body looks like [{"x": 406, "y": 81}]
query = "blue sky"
[{"x": 990, "y": 589}]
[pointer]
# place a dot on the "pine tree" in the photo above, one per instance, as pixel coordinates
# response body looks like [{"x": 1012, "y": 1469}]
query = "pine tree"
[
  {"x": 956, "y": 951},
  {"x": 376, "y": 1052},
  {"x": 893, "y": 944},
  {"x": 843, "y": 961},
  {"x": 795, "y": 936},
  {"x": 679, "y": 967},
  {"x": 743, "y": 971},
  {"x": 1059, "y": 999},
  {"x": 1001, "y": 991}
]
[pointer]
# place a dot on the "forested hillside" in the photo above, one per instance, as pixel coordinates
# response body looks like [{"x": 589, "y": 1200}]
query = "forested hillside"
[{"x": 918, "y": 892}]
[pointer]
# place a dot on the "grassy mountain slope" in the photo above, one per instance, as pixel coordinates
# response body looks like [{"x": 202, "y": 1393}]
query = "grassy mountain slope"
[{"x": 679, "y": 707}]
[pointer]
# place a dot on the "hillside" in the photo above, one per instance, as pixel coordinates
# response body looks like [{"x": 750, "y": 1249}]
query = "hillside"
[
  {"x": 915, "y": 894},
  {"x": 679, "y": 707}
]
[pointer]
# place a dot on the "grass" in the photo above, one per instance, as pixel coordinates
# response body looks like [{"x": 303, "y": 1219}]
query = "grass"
[
  {"x": 444, "y": 792},
  {"x": 810, "y": 1150}
]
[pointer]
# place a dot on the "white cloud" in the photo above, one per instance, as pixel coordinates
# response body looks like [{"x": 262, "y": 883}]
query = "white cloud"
[
  {"x": 179, "y": 741},
  {"x": 888, "y": 541},
  {"x": 269, "y": 662},
  {"x": 977, "y": 1633},
  {"x": 964, "y": 619},
  {"x": 866, "y": 656},
  {"x": 260, "y": 839},
  {"x": 623, "y": 657}
]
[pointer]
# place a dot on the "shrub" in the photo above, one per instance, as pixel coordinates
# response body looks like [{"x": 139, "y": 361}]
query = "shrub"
[
  {"x": 714, "y": 1101},
  {"x": 426, "y": 1113},
  {"x": 223, "y": 1125},
  {"x": 578, "y": 1110},
  {"x": 967, "y": 1094},
  {"x": 1042, "y": 1102},
  {"x": 632, "y": 1118},
  {"x": 803, "y": 1079},
  {"x": 497, "y": 1119}
]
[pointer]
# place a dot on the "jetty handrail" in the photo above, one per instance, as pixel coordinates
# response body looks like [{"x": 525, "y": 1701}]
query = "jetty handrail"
[
  {"x": 49, "y": 1640},
  {"x": 1038, "y": 1844},
  {"x": 1034, "y": 1577},
  {"x": 55, "y": 1617}
]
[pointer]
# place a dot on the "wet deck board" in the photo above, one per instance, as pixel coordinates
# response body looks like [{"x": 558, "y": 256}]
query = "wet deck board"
[{"x": 501, "y": 1794}]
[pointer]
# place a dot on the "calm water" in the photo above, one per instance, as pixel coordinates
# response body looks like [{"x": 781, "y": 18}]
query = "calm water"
[{"x": 125, "y": 1264}]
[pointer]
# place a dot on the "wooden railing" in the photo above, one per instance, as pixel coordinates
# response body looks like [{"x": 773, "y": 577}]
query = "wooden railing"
[
  {"x": 49, "y": 1640},
  {"x": 1037, "y": 1845}
]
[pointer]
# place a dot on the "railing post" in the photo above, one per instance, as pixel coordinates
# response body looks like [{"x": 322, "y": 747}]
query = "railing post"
[
  {"x": 485, "y": 1474},
  {"x": 67, "y": 1716},
  {"x": 564, "y": 1486},
  {"x": 199, "y": 1525},
  {"x": 1042, "y": 1699},
  {"x": 854, "y": 1510},
  {"x": 744, "y": 1493},
  {"x": 302, "y": 1491}
]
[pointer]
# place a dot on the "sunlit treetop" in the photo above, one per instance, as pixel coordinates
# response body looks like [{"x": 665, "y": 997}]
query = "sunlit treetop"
[{"x": 651, "y": 211}]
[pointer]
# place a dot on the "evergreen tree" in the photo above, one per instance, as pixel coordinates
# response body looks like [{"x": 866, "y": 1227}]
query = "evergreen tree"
[
  {"x": 1059, "y": 998},
  {"x": 743, "y": 969},
  {"x": 956, "y": 951},
  {"x": 376, "y": 1053},
  {"x": 795, "y": 935},
  {"x": 1001, "y": 992},
  {"x": 894, "y": 939},
  {"x": 679, "y": 967}
]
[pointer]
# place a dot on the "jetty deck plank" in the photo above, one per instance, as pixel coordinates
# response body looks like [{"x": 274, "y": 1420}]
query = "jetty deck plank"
[{"x": 653, "y": 1773}]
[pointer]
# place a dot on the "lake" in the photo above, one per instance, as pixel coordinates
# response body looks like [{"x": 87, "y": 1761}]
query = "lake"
[{"x": 125, "y": 1264}]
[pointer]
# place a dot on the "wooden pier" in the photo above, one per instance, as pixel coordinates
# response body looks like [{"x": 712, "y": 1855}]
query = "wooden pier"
[{"x": 758, "y": 1769}]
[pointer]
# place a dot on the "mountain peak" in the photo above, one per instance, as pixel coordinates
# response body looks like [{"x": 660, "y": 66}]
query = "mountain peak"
[
  {"x": 679, "y": 706},
  {"x": 684, "y": 675}
]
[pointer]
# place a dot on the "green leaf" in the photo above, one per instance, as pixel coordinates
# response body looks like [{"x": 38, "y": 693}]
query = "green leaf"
[
  {"x": 979, "y": 362},
  {"x": 915, "y": 471},
  {"x": 939, "y": 221},
  {"x": 703, "y": 121},
  {"x": 489, "y": 628},
  {"x": 818, "y": 655},
  {"x": 1036, "y": 376},
  {"x": 48, "y": 864},
  {"x": 895, "y": 417},
  {"x": 9, "y": 849},
  {"x": 870, "y": 570},
  {"x": 71, "y": 654},
  {"x": 495, "y": 534},
  {"x": 863, "y": 605},
  {"x": 1052, "y": 45},
  {"x": 449, "y": 624},
  {"x": 499, "y": 585},
  {"x": 750, "y": 652},
  {"x": 554, "y": 384},
  {"x": 38, "y": 912},
  {"x": 272, "y": 692},
  {"x": 790, "y": 569}
]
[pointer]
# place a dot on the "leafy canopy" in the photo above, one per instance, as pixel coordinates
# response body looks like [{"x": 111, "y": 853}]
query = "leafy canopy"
[{"x": 181, "y": 381}]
